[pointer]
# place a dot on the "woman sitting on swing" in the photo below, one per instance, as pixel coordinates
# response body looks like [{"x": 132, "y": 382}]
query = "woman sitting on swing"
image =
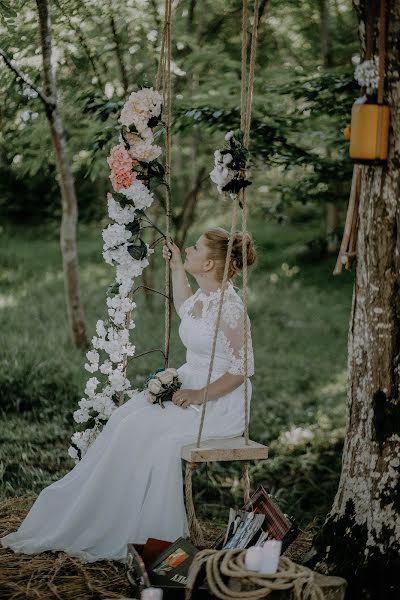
[{"x": 128, "y": 486}]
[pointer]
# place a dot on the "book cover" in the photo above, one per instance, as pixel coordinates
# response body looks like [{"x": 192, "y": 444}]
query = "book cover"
[{"x": 171, "y": 567}]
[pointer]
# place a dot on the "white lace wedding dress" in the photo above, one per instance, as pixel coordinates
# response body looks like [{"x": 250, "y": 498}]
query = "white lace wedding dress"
[{"x": 128, "y": 486}]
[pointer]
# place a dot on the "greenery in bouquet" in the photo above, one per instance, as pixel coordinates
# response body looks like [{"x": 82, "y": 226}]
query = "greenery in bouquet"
[{"x": 161, "y": 385}]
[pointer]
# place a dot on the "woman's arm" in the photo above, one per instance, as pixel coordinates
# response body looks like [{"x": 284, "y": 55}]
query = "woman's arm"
[
  {"x": 221, "y": 386},
  {"x": 180, "y": 284}
]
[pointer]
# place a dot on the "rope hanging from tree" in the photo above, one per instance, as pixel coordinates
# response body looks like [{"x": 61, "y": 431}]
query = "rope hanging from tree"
[
  {"x": 163, "y": 79},
  {"x": 246, "y": 104}
]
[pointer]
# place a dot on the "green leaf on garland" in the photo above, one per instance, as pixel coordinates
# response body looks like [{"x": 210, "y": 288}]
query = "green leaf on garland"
[{"x": 138, "y": 251}]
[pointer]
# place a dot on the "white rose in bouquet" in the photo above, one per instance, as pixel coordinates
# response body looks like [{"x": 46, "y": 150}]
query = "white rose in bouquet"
[
  {"x": 165, "y": 377},
  {"x": 154, "y": 386},
  {"x": 151, "y": 397},
  {"x": 174, "y": 372}
]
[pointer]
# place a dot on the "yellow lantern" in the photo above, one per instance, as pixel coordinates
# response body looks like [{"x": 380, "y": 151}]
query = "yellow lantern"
[{"x": 369, "y": 132}]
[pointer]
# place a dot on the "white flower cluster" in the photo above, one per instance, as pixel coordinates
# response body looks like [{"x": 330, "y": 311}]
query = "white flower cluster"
[
  {"x": 111, "y": 346},
  {"x": 367, "y": 74},
  {"x": 139, "y": 195},
  {"x": 140, "y": 107},
  {"x": 221, "y": 174}
]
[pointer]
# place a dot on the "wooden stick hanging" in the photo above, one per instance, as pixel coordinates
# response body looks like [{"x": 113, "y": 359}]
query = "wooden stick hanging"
[{"x": 347, "y": 250}]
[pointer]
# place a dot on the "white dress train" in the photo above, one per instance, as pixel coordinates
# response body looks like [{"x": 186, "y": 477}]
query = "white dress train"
[{"x": 128, "y": 486}]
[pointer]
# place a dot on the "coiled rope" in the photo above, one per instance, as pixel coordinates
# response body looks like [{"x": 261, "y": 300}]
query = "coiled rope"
[{"x": 253, "y": 586}]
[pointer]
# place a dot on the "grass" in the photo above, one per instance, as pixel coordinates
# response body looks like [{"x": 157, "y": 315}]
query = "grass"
[{"x": 299, "y": 314}]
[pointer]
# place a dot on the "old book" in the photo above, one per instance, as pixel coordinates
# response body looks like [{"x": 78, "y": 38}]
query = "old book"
[
  {"x": 275, "y": 525},
  {"x": 169, "y": 571}
]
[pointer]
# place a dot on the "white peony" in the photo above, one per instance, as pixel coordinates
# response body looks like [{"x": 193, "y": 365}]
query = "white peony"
[
  {"x": 114, "y": 235},
  {"x": 120, "y": 215},
  {"x": 229, "y": 135},
  {"x": 227, "y": 158},
  {"x": 144, "y": 151},
  {"x": 118, "y": 381},
  {"x": 154, "y": 386},
  {"x": 91, "y": 386},
  {"x": 145, "y": 103},
  {"x": 81, "y": 415},
  {"x": 106, "y": 367},
  {"x": 139, "y": 194},
  {"x": 73, "y": 452}
]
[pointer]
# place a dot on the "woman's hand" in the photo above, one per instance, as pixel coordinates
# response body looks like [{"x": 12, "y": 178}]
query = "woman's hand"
[
  {"x": 172, "y": 254},
  {"x": 185, "y": 398}
]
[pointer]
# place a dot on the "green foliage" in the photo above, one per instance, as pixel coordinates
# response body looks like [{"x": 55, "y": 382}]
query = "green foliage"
[{"x": 299, "y": 107}]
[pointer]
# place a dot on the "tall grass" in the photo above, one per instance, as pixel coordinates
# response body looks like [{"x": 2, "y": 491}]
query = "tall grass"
[{"x": 299, "y": 314}]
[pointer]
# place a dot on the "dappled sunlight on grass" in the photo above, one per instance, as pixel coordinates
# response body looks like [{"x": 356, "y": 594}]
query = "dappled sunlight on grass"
[{"x": 8, "y": 301}]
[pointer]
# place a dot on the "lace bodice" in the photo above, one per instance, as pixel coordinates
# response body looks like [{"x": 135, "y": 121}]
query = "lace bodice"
[{"x": 199, "y": 315}]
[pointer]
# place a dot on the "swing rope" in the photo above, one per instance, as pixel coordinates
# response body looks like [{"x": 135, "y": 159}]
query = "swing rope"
[
  {"x": 246, "y": 104},
  {"x": 163, "y": 80}
]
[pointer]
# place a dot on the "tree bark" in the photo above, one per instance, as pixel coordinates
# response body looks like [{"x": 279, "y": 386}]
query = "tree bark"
[
  {"x": 66, "y": 182},
  {"x": 361, "y": 536}
]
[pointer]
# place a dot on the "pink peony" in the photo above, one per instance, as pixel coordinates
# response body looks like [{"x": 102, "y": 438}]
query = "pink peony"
[
  {"x": 121, "y": 165},
  {"x": 119, "y": 159},
  {"x": 122, "y": 179}
]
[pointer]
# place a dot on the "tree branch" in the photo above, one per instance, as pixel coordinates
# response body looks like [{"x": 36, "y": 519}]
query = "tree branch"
[{"x": 49, "y": 104}]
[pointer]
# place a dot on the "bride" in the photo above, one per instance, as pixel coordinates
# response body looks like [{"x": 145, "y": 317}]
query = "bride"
[{"x": 128, "y": 486}]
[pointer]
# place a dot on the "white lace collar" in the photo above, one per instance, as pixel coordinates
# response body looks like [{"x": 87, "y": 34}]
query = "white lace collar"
[{"x": 215, "y": 294}]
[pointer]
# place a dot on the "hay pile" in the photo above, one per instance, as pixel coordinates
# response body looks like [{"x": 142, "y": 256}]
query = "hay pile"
[{"x": 55, "y": 575}]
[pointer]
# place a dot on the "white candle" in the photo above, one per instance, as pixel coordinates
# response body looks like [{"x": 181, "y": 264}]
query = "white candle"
[
  {"x": 253, "y": 557},
  {"x": 270, "y": 556},
  {"x": 151, "y": 593}
]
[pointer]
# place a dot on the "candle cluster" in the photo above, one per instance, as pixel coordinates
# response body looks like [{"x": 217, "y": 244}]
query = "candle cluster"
[{"x": 264, "y": 559}]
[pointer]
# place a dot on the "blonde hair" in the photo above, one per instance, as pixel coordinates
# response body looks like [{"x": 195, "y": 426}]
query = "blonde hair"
[{"x": 217, "y": 239}]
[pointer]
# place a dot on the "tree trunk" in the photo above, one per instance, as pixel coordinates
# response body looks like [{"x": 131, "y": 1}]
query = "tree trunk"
[
  {"x": 327, "y": 61},
  {"x": 361, "y": 536},
  {"x": 325, "y": 33},
  {"x": 66, "y": 182}
]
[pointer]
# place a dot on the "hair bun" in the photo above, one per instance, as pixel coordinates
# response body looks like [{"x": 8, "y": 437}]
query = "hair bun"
[
  {"x": 237, "y": 251},
  {"x": 217, "y": 240}
]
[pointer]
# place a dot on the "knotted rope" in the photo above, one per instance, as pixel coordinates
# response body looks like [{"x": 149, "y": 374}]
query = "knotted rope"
[{"x": 230, "y": 563}]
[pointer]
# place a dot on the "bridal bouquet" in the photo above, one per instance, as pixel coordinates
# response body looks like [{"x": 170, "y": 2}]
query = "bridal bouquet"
[
  {"x": 161, "y": 385},
  {"x": 230, "y": 164}
]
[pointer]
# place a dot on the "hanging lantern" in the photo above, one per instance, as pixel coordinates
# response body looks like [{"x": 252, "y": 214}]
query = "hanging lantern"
[{"x": 369, "y": 130}]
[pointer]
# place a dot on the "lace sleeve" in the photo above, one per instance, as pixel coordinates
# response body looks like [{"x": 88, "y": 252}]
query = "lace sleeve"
[{"x": 232, "y": 333}]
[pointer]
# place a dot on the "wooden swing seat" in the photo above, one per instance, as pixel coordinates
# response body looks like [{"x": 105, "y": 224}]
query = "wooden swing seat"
[
  {"x": 224, "y": 449},
  {"x": 214, "y": 450}
]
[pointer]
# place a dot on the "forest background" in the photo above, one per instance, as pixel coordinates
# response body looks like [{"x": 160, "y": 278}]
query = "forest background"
[{"x": 301, "y": 175}]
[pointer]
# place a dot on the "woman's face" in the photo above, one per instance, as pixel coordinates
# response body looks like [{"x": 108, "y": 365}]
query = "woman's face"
[{"x": 197, "y": 257}]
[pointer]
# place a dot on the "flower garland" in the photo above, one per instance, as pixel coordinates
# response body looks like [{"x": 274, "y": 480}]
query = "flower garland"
[
  {"x": 367, "y": 74},
  {"x": 134, "y": 172},
  {"x": 230, "y": 164}
]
